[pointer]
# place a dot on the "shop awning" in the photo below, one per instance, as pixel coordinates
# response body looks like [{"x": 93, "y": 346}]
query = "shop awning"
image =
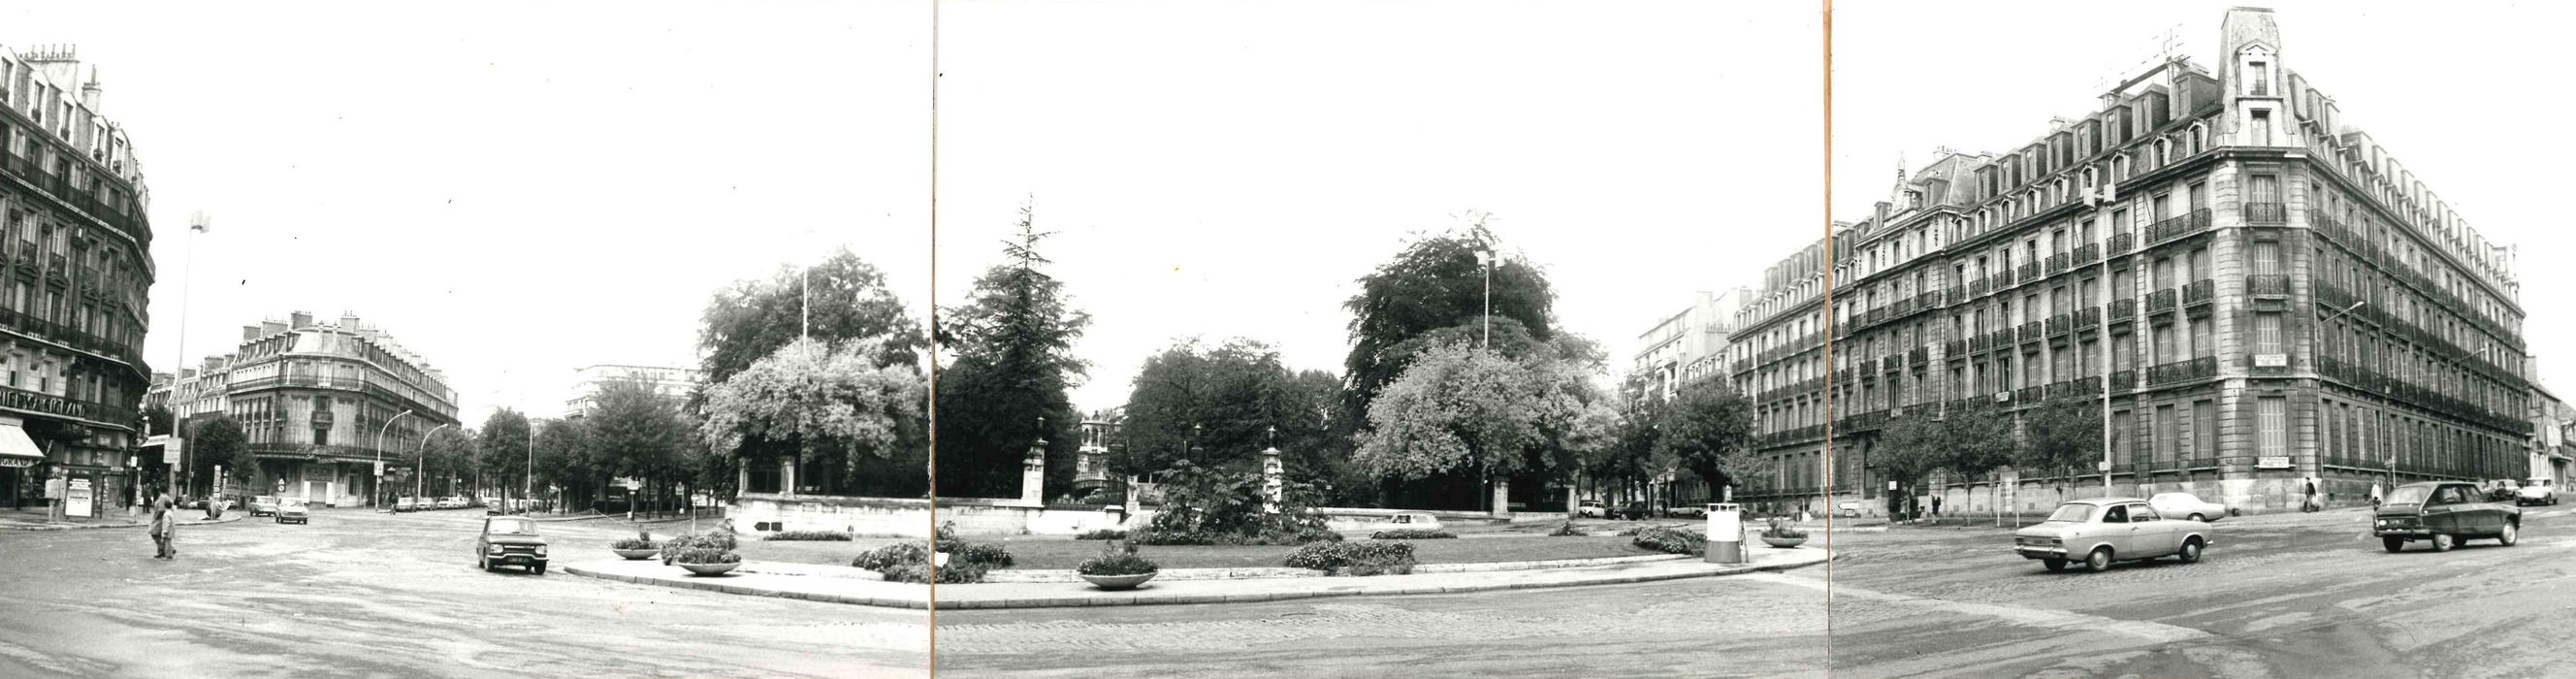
[{"x": 16, "y": 450}]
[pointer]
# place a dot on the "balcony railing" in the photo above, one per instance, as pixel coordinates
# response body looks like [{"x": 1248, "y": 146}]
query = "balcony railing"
[
  {"x": 2088, "y": 254},
  {"x": 2160, "y": 301},
  {"x": 2060, "y": 324},
  {"x": 2001, "y": 280},
  {"x": 2182, "y": 371},
  {"x": 2029, "y": 331},
  {"x": 2199, "y": 292},
  {"x": 2124, "y": 380},
  {"x": 1917, "y": 355},
  {"x": 2268, "y": 285},
  {"x": 1981, "y": 343},
  {"x": 2122, "y": 243},
  {"x": 2125, "y": 308},
  {"x": 2170, "y": 228},
  {"x": 2088, "y": 317},
  {"x": 2057, "y": 263},
  {"x": 2029, "y": 271},
  {"x": 2266, "y": 213}
]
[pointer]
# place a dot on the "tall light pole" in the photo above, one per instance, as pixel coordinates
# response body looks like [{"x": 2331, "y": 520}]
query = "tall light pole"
[
  {"x": 197, "y": 224},
  {"x": 1485, "y": 260},
  {"x": 530, "y": 491},
  {"x": 380, "y": 456},
  {"x": 420, "y": 468}
]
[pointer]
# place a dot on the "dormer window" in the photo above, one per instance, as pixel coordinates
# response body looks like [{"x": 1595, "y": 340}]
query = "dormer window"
[{"x": 2258, "y": 78}]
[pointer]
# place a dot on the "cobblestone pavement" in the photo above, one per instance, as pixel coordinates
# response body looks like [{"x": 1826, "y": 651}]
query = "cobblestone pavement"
[{"x": 360, "y": 594}]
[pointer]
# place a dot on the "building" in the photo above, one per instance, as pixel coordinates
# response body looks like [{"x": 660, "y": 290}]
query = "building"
[
  {"x": 321, "y": 404},
  {"x": 672, "y": 383},
  {"x": 1687, "y": 345},
  {"x": 2263, "y": 292},
  {"x": 2552, "y": 452},
  {"x": 74, "y": 273}
]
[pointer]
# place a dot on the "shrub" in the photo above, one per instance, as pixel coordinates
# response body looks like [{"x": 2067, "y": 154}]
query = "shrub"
[
  {"x": 1103, "y": 534},
  {"x": 706, "y": 555},
  {"x": 1117, "y": 558},
  {"x": 813, "y": 535},
  {"x": 1782, "y": 530},
  {"x": 1671, "y": 541},
  {"x": 1565, "y": 530},
  {"x": 1410, "y": 534},
  {"x": 979, "y": 553},
  {"x": 642, "y": 540},
  {"x": 719, "y": 540},
  {"x": 1354, "y": 558},
  {"x": 923, "y": 573},
  {"x": 1297, "y": 536},
  {"x": 1207, "y": 506},
  {"x": 885, "y": 559},
  {"x": 912, "y": 561}
]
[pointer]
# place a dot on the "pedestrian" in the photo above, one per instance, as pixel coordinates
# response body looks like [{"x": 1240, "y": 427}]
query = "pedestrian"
[
  {"x": 164, "y": 527},
  {"x": 2374, "y": 495},
  {"x": 1936, "y": 506},
  {"x": 2309, "y": 504}
]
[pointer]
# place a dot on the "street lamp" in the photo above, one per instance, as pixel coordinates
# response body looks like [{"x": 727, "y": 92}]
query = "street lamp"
[
  {"x": 420, "y": 479},
  {"x": 197, "y": 224},
  {"x": 1485, "y": 261},
  {"x": 380, "y": 456}
]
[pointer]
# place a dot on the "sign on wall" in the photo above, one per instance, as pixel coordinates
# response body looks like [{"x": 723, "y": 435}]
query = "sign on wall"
[{"x": 2272, "y": 462}]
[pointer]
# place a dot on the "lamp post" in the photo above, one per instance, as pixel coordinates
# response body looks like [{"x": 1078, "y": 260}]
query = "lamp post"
[
  {"x": 197, "y": 224},
  {"x": 420, "y": 479},
  {"x": 380, "y": 457},
  {"x": 1485, "y": 261}
]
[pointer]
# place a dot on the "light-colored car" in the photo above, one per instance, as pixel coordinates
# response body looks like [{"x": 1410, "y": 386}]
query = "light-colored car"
[
  {"x": 1691, "y": 511},
  {"x": 510, "y": 541},
  {"x": 292, "y": 510},
  {"x": 1413, "y": 521},
  {"x": 2100, "y": 531},
  {"x": 451, "y": 502},
  {"x": 2536, "y": 492},
  {"x": 2187, "y": 506},
  {"x": 408, "y": 504},
  {"x": 263, "y": 505},
  {"x": 1590, "y": 509}
]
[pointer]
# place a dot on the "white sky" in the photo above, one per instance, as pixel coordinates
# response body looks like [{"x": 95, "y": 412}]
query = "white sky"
[
  {"x": 513, "y": 190},
  {"x": 2438, "y": 84},
  {"x": 1228, "y": 169}
]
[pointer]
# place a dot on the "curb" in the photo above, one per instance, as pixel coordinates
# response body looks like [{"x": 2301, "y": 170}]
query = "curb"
[
  {"x": 228, "y": 518},
  {"x": 717, "y": 586}
]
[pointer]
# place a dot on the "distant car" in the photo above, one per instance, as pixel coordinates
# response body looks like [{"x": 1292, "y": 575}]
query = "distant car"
[
  {"x": 1690, "y": 511},
  {"x": 263, "y": 505},
  {"x": 1590, "y": 509},
  {"x": 1633, "y": 511},
  {"x": 408, "y": 504},
  {"x": 292, "y": 510},
  {"x": 1413, "y": 521},
  {"x": 2186, "y": 506},
  {"x": 2099, "y": 531},
  {"x": 451, "y": 502},
  {"x": 2444, "y": 513},
  {"x": 510, "y": 541},
  {"x": 2537, "y": 492}
]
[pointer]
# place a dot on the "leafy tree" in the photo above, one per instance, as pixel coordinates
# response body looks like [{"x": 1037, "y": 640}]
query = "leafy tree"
[
  {"x": 1205, "y": 505},
  {"x": 1980, "y": 439},
  {"x": 1228, "y": 402},
  {"x": 1465, "y": 410},
  {"x": 156, "y": 420},
  {"x": 502, "y": 452},
  {"x": 1006, "y": 388},
  {"x": 1909, "y": 450},
  {"x": 832, "y": 403},
  {"x": 2064, "y": 433},
  {"x": 845, "y": 298},
  {"x": 1706, "y": 431},
  {"x": 444, "y": 455},
  {"x": 1437, "y": 283},
  {"x": 634, "y": 431},
  {"x": 563, "y": 459},
  {"x": 1630, "y": 457},
  {"x": 217, "y": 440}
]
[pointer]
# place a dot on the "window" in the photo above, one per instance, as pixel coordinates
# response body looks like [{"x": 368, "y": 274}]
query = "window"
[
  {"x": 2267, "y": 332},
  {"x": 2271, "y": 426},
  {"x": 2262, "y": 127},
  {"x": 2168, "y": 433},
  {"x": 2201, "y": 344},
  {"x": 2199, "y": 196},
  {"x": 2267, "y": 258},
  {"x": 2258, "y": 79},
  {"x": 2204, "y": 415},
  {"x": 2164, "y": 340}
]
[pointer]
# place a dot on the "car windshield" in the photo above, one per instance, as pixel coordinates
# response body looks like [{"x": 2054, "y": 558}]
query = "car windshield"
[
  {"x": 2409, "y": 495},
  {"x": 2075, "y": 513},
  {"x": 512, "y": 527}
]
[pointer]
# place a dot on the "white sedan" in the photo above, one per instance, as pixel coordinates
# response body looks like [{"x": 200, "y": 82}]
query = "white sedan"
[{"x": 2187, "y": 506}]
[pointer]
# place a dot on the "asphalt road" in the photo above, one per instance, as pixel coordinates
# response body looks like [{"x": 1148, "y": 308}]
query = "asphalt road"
[
  {"x": 2293, "y": 596},
  {"x": 357, "y": 593}
]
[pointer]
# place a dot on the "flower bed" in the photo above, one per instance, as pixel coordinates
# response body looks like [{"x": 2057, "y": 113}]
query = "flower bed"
[
  {"x": 809, "y": 535},
  {"x": 1355, "y": 558}
]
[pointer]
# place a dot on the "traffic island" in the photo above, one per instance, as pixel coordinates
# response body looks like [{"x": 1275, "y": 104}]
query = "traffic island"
[{"x": 759, "y": 579}]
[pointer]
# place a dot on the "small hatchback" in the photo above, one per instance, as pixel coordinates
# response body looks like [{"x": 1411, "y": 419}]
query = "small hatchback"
[
  {"x": 510, "y": 541},
  {"x": 263, "y": 506},
  {"x": 292, "y": 510}
]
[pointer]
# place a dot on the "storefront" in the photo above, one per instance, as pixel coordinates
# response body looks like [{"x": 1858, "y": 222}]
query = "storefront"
[{"x": 23, "y": 469}]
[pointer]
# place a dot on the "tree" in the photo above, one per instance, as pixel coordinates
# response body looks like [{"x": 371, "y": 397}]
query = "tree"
[
  {"x": 563, "y": 459},
  {"x": 827, "y": 402},
  {"x": 844, "y": 297},
  {"x": 1980, "y": 439},
  {"x": 1629, "y": 458},
  {"x": 1459, "y": 409},
  {"x": 1437, "y": 283},
  {"x": 444, "y": 455},
  {"x": 1013, "y": 344},
  {"x": 1705, "y": 431},
  {"x": 502, "y": 452},
  {"x": 1227, "y": 402},
  {"x": 1909, "y": 449},
  {"x": 635, "y": 431},
  {"x": 2063, "y": 434},
  {"x": 218, "y": 441},
  {"x": 156, "y": 420}
]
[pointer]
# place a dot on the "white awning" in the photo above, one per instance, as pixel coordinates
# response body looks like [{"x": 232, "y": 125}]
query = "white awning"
[{"x": 16, "y": 450}]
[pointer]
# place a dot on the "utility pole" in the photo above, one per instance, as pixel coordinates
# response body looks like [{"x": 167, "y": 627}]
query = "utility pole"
[{"x": 197, "y": 224}]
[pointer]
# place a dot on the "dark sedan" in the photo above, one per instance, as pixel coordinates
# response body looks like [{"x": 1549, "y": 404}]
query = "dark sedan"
[{"x": 2444, "y": 513}]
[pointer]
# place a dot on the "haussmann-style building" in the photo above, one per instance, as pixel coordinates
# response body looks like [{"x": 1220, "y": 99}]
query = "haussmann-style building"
[{"x": 2262, "y": 293}]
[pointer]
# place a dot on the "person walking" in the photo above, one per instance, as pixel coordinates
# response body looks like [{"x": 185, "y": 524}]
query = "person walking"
[
  {"x": 2374, "y": 495},
  {"x": 165, "y": 521},
  {"x": 2309, "y": 503}
]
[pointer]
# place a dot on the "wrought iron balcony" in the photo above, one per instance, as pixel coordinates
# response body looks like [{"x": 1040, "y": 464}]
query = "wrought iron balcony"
[
  {"x": 2268, "y": 285},
  {"x": 2088, "y": 254},
  {"x": 2060, "y": 324},
  {"x": 2029, "y": 271},
  {"x": 2125, "y": 308},
  {"x": 2088, "y": 317},
  {"x": 2124, "y": 380},
  {"x": 2266, "y": 213},
  {"x": 2160, "y": 301},
  {"x": 2199, "y": 292},
  {"x": 2186, "y": 224},
  {"x": 2122, "y": 243},
  {"x": 2029, "y": 331},
  {"x": 2057, "y": 263}
]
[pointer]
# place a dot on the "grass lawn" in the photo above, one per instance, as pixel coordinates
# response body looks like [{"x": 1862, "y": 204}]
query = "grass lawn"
[
  {"x": 1058, "y": 553},
  {"x": 813, "y": 552}
]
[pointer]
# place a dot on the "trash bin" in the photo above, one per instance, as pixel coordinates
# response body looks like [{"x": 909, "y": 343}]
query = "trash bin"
[{"x": 1725, "y": 532}]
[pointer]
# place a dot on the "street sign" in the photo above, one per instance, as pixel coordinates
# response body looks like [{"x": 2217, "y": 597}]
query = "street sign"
[
  {"x": 380, "y": 469},
  {"x": 79, "y": 502},
  {"x": 170, "y": 450},
  {"x": 2272, "y": 462},
  {"x": 2102, "y": 466}
]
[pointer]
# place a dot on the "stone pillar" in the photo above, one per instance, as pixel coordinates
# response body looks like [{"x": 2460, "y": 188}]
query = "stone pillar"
[
  {"x": 786, "y": 478},
  {"x": 741, "y": 479},
  {"x": 1133, "y": 503},
  {"x": 1271, "y": 485},
  {"x": 1502, "y": 498},
  {"x": 1033, "y": 474}
]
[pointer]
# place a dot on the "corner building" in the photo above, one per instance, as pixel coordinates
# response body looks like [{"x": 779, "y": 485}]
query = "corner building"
[
  {"x": 321, "y": 405},
  {"x": 2260, "y": 291},
  {"x": 74, "y": 271}
]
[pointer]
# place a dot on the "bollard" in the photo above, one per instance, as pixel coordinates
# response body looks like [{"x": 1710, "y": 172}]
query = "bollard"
[{"x": 1725, "y": 532}]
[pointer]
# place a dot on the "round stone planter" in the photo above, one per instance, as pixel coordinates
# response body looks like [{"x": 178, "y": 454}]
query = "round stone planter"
[
  {"x": 636, "y": 554},
  {"x": 710, "y": 568},
  {"x": 1118, "y": 582},
  {"x": 1783, "y": 543}
]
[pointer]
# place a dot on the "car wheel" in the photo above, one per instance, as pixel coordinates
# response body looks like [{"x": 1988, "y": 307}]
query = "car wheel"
[
  {"x": 2441, "y": 542},
  {"x": 2393, "y": 544},
  {"x": 539, "y": 569},
  {"x": 2510, "y": 535},
  {"x": 2199, "y": 518},
  {"x": 2190, "y": 551},
  {"x": 2099, "y": 560},
  {"x": 484, "y": 563},
  {"x": 2054, "y": 565}
]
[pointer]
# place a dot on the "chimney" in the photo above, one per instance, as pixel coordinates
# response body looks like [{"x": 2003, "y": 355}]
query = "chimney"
[
  {"x": 90, "y": 92},
  {"x": 348, "y": 322},
  {"x": 250, "y": 332},
  {"x": 300, "y": 320},
  {"x": 267, "y": 328}
]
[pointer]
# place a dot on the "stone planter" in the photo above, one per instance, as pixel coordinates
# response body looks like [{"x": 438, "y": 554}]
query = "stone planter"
[
  {"x": 703, "y": 569},
  {"x": 1118, "y": 582},
  {"x": 1783, "y": 543},
  {"x": 637, "y": 554}
]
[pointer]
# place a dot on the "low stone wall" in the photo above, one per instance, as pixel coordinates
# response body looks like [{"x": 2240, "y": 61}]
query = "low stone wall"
[{"x": 758, "y": 513}]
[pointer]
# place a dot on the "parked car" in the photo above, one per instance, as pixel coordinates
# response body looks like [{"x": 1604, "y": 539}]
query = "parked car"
[
  {"x": 1633, "y": 511},
  {"x": 408, "y": 504},
  {"x": 1413, "y": 521},
  {"x": 2444, "y": 513},
  {"x": 2537, "y": 491},
  {"x": 510, "y": 541},
  {"x": 1590, "y": 509},
  {"x": 2100, "y": 531},
  {"x": 1689, "y": 511},
  {"x": 2186, "y": 506},
  {"x": 263, "y": 505},
  {"x": 292, "y": 510}
]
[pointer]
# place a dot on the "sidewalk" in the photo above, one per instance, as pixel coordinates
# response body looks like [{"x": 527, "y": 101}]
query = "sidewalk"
[
  {"x": 1060, "y": 595},
  {"x": 36, "y": 519},
  {"x": 2276, "y": 519}
]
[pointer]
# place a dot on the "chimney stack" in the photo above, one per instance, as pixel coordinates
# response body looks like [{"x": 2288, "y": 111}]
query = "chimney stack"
[
  {"x": 250, "y": 332},
  {"x": 300, "y": 320},
  {"x": 267, "y": 328}
]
